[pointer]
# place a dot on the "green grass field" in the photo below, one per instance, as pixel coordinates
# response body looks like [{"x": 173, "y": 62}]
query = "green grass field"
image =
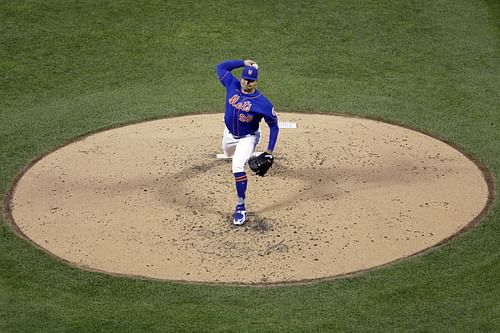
[{"x": 68, "y": 68}]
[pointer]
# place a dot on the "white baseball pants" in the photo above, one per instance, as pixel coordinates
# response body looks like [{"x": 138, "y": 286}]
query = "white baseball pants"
[{"x": 239, "y": 149}]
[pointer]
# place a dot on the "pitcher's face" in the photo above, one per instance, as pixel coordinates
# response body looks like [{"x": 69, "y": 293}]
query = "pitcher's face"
[{"x": 248, "y": 86}]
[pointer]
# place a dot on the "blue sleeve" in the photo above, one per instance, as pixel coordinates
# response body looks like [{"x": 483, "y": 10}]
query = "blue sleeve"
[
  {"x": 224, "y": 71},
  {"x": 272, "y": 122}
]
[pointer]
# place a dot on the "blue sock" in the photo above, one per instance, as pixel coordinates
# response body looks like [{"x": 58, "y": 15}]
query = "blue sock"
[{"x": 241, "y": 179}]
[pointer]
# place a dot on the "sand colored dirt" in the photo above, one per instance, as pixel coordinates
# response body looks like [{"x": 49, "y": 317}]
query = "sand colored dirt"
[{"x": 151, "y": 200}]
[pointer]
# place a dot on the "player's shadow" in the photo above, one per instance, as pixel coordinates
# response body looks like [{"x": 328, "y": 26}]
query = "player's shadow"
[{"x": 318, "y": 184}]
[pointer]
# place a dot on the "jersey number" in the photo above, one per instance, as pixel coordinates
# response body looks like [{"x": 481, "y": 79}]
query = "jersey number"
[{"x": 245, "y": 119}]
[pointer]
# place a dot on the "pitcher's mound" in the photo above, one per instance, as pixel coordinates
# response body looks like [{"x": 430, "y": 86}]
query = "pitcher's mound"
[{"x": 151, "y": 200}]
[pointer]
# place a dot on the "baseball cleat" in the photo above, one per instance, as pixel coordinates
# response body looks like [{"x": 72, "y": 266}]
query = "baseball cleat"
[{"x": 240, "y": 215}]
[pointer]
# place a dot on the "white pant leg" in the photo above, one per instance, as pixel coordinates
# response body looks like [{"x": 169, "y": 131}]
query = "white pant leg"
[
  {"x": 239, "y": 149},
  {"x": 228, "y": 143}
]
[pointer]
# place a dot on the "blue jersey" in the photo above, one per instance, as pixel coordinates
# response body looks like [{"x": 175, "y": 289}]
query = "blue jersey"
[{"x": 245, "y": 111}]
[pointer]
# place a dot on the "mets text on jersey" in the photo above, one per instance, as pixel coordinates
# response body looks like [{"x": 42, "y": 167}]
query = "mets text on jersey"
[{"x": 244, "y": 106}]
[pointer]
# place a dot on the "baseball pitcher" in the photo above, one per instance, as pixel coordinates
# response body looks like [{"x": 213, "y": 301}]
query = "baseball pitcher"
[{"x": 245, "y": 108}]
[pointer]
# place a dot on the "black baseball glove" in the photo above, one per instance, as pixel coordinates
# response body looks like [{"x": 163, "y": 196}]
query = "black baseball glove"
[{"x": 261, "y": 163}]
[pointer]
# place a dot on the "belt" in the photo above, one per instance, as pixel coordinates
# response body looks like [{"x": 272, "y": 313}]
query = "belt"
[{"x": 242, "y": 136}]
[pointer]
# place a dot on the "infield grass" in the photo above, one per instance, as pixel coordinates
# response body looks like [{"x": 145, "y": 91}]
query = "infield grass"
[{"x": 68, "y": 68}]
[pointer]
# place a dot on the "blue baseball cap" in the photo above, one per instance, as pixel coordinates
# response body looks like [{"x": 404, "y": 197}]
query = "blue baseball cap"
[{"x": 250, "y": 73}]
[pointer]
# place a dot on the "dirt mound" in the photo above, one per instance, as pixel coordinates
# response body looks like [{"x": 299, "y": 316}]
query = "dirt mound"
[{"x": 151, "y": 200}]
